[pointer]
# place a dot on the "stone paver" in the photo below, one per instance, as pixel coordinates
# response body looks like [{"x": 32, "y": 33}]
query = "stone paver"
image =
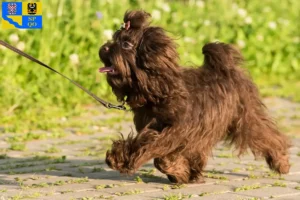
[{"x": 72, "y": 166}]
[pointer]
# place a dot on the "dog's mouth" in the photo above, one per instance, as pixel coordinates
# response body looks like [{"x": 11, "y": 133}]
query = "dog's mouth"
[{"x": 109, "y": 70}]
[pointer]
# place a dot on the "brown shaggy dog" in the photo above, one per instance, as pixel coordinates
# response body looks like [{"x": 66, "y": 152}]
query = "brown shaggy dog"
[{"x": 180, "y": 114}]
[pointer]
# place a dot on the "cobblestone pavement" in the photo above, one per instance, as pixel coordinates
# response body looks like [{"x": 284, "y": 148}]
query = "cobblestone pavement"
[{"x": 69, "y": 164}]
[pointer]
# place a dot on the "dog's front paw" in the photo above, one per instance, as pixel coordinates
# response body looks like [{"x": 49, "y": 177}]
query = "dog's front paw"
[
  {"x": 119, "y": 163},
  {"x": 128, "y": 171},
  {"x": 118, "y": 158},
  {"x": 111, "y": 161}
]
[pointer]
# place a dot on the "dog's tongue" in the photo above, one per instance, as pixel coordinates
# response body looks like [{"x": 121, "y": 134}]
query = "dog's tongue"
[{"x": 106, "y": 69}]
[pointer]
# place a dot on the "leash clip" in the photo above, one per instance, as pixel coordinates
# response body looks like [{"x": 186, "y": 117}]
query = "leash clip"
[{"x": 118, "y": 107}]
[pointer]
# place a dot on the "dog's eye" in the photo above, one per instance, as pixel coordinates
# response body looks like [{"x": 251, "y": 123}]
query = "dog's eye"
[{"x": 127, "y": 45}]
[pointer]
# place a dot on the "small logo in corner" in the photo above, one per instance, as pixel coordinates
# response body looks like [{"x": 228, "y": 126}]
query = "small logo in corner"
[{"x": 22, "y": 15}]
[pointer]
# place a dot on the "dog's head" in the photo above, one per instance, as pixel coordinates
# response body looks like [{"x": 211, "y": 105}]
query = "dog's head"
[{"x": 140, "y": 60}]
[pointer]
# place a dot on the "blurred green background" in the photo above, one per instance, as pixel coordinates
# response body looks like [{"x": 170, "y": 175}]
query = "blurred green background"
[{"x": 267, "y": 32}]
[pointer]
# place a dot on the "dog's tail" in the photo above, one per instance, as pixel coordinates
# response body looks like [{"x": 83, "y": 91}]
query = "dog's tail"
[{"x": 221, "y": 57}]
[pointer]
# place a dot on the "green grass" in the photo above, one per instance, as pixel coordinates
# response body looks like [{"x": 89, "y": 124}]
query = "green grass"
[
  {"x": 71, "y": 181},
  {"x": 39, "y": 185},
  {"x": 211, "y": 193},
  {"x": 147, "y": 173},
  {"x": 98, "y": 169},
  {"x": 215, "y": 175},
  {"x": 52, "y": 150},
  {"x": 130, "y": 192},
  {"x": 224, "y": 155},
  {"x": 18, "y": 146},
  {"x": 237, "y": 169},
  {"x": 3, "y": 156},
  {"x": 66, "y": 191},
  {"x": 178, "y": 186},
  {"x": 166, "y": 187},
  {"x": 279, "y": 184},
  {"x": 248, "y": 187},
  {"x": 178, "y": 196},
  {"x": 100, "y": 187},
  {"x": 27, "y": 196},
  {"x": 138, "y": 179},
  {"x": 253, "y": 176},
  {"x": 32, "y": 97},
  {"x": 271, "y": 174}
]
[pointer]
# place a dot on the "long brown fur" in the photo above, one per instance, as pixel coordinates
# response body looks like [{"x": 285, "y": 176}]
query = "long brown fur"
[{"x": 180, "y": 113}]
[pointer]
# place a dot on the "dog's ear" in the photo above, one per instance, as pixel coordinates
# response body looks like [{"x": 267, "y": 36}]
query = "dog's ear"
[
  {"x": 138, "y": 19},
  {"x": 156, "y": 50}
]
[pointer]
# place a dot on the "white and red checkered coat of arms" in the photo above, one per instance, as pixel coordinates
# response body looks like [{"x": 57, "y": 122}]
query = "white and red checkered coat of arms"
[{"x": 12, "y": 8}]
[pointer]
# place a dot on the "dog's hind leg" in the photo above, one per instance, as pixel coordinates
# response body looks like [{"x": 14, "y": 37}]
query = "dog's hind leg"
[
  {"x": 261, "y": 135},
  {"x": 182, "y": 168},
  {"x": 197, "y": 163},
  {"x": 273, "y": 145},
  {"x": 176, "y": 167},
  {"x": 149, "y": 144}
]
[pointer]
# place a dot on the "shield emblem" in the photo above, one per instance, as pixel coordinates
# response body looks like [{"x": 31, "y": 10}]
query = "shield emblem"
[
  {"x": 12, "y": 8},
  {"x": 31, "y": 8}
]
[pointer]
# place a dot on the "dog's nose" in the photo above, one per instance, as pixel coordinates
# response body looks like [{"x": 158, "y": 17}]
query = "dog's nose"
[{"x": 104, "y": 50}]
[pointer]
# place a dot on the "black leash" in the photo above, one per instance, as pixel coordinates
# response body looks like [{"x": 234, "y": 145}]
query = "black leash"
[{"x": 104, "y": 103}]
